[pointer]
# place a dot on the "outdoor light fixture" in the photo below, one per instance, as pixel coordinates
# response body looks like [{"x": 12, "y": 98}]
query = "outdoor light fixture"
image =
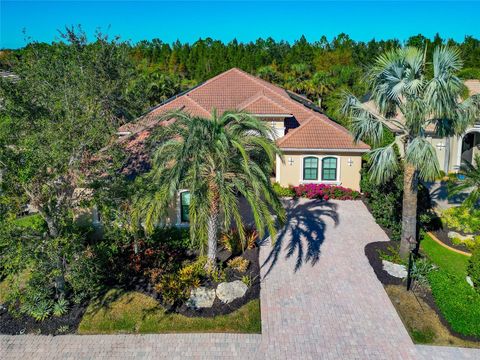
[{"x": 290, "y": 161}]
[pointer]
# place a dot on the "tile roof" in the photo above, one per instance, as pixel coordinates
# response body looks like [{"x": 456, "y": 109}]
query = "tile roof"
[{"x": 237, "y": 90}]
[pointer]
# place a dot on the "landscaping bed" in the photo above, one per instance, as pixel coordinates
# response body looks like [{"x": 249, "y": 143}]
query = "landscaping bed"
[
  {"x": 159, "y": 278},
  {"x": 436, "y": 314}
]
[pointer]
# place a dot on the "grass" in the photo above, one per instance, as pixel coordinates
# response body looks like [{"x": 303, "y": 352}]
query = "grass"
[
  {"x": 450, "y": 261},
  {"x": 456, "y": 299},
  {"x": 421, "y": 321},
  {"x": 134, "y": 312}
]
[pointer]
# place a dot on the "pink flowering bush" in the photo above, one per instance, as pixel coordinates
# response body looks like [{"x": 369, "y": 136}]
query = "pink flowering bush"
[{"x": 325, "y": 192}]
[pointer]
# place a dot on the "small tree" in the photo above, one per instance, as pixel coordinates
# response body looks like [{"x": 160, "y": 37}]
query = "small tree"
[
  {"x": 217, "y": 159},
  {"x": 400, "y": 85},
  {"x": 67, "y": 102},
  {"x": 470, "y": 182}
]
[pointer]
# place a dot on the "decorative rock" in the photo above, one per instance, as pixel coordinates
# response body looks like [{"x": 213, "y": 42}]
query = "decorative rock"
[
  {"x": 395, "y": 270},
  {"x": 469, "y": 281},
  {"x": 229, "y": 291},
  {"x": 201, "y": 297},
  {"x": 462, "y": 238}
]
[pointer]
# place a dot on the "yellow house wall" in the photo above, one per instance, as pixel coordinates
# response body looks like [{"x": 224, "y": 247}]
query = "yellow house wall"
[{"x": 292, "y": 174}]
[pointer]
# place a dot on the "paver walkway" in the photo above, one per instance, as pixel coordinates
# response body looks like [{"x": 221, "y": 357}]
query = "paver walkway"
[{"x": 320, "y": 299}]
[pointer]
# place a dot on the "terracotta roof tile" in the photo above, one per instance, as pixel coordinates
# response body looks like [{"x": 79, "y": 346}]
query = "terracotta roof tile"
[
  {"x": 238, "y": 90},
  {"x": 314, "y": 132}
]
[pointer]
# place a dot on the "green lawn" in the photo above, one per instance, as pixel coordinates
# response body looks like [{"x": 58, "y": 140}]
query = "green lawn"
[
  {"x": 458, "y": 301},
  {"x": 133, "y": 312}
]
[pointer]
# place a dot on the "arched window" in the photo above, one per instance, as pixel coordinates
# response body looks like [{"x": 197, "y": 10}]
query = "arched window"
[
  {"x": 310, "y": 168},
  {"x": 185, "y": 206},
  {"x": 329, "y": 168}
]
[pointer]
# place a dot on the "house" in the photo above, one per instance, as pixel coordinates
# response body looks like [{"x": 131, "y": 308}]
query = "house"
[
  {"x": 450, "y": 151},
  {"x": 316, "y": 149}
]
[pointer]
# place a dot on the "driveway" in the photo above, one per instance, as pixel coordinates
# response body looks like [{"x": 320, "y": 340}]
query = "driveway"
[{"x": 320, "y": 299}]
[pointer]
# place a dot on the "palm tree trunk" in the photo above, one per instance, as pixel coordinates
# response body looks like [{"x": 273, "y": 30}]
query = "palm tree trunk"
[
  {"x": 212, "y": 228},
  {"x": 409, "y": 212},
  {"x": 60, "y": 278}
]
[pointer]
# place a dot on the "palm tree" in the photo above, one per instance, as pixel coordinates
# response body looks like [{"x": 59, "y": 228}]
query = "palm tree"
[
  {"x": 410, "y": 100},
  {"x": 216, "y": 159},
  {"x": 470, "y": 181}
]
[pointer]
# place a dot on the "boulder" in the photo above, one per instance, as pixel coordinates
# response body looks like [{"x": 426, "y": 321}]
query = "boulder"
[
  {"x": 462, "y": 238},
  {"x": 201, "y": 297},
  {"x": 395, "y": 270},
  {"x": 229, "y": 291}
]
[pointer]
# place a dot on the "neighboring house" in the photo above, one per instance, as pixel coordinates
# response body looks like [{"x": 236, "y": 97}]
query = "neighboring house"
[
  {"x": 451, "y": 151},
  {"x": 316, "y": 149}
]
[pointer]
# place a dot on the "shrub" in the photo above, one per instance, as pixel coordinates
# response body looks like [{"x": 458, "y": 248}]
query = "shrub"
[
  {"x": 283, "y": 191},
  {"x": 60, "y": 307},
  {"x": 458, "y": 301},
  {"x": 238, "y": 263},
  {"x": 474, "y": 267},
  {"x": 251, "y": 236},
  {"x": 470, "y": 244},
  {"x": 175, "y": 287},
  {"x": 325, "y": 192},
  {"x": 462, "y": 219},
  {"x": 231, "y": 242},
  {"x": 420, "y": 270},
  {"x": 385, "y": 202}
]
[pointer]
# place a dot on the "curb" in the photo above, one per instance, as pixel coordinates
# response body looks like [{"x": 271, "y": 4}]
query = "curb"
[{"x": 446, "y": 246}]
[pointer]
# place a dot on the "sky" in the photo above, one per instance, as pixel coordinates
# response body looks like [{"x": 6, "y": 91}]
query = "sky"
[{"x": 244, "y": 20}]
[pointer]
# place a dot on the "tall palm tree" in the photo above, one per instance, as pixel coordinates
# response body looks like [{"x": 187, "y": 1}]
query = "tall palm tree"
[
  {"x": 470, "y": 182},
  {"x": 217, "y": 159},
  {"x": 411, "y": 100}
]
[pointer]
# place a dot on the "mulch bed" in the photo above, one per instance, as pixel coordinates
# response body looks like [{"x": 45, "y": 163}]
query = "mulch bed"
[
  {"x": 27, "y": 325},
  {"x": 219, "y": 308},
  {"x": 373, "y": 250},
  {"x": 442, "y": 235}
]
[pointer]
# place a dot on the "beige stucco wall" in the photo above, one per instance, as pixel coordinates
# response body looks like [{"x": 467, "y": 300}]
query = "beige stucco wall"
[{"x": 348, "y": 169}]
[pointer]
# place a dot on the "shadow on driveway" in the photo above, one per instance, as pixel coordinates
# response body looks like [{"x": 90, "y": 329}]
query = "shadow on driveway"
[{"x": 303, "y": 233}]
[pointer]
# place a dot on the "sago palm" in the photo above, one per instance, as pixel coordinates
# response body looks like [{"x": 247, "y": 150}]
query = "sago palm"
[
  {"x": 410, "y": 100},
  {"x": 219, "y": 160},
  {"x": 470, "y": 181}
]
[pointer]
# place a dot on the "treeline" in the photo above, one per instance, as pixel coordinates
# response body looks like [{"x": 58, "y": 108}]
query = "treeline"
[{"x": 321, "y": 70}]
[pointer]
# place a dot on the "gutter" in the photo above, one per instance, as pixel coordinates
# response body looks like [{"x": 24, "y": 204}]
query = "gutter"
[{"x": 360, "y": 151}]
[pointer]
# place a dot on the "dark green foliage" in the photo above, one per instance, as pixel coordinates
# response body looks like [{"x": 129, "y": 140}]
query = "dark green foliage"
[
  {"x": 385, "y": 202},
  {"x": 474, "y": 267},
  {"x": 458, "y": 301},
  {"x": 283, "y": 191}
]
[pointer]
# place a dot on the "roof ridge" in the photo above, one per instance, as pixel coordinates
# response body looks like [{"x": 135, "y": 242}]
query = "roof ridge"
[
  {"x": 259, "y": 97},
  {"x": 294, "y": 131},
  {"x": 197, "y": 104},
  {"x": 215, "y": 78},
  {"x": 324, "y": 118}
]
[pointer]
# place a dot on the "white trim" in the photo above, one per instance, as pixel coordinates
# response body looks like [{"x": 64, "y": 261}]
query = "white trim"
[
  {"x": 327, "y": 150},
  {"x": 474, "y": 129},
  {"x": 319, "y": 180},
  {"x": 277, "y": 168},
  {"x": 179, "y": 221}
]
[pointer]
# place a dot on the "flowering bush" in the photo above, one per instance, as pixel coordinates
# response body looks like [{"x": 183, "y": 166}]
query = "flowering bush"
[{"x": 325, "y": 192}]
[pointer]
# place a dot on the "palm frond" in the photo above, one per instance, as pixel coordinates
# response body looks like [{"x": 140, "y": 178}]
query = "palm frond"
[
  {"x": 421, "y": 154},
  {"x": 384, "y": 163}
]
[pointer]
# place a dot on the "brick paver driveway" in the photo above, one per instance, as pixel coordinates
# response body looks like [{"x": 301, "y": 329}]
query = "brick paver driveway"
[{"x": 320, "y": 299}]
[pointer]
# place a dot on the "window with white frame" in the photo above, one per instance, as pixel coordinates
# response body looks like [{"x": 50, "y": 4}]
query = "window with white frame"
[
  {"x": 310, "y": 168},
  {"x": 329, "y": 169}
]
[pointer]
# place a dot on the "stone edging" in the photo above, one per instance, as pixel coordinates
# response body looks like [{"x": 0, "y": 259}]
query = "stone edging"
[{"x": 446, "y": 246}]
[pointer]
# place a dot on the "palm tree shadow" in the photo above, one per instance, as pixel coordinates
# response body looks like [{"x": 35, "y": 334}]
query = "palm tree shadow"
[{"x": 303, "y": 234}]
